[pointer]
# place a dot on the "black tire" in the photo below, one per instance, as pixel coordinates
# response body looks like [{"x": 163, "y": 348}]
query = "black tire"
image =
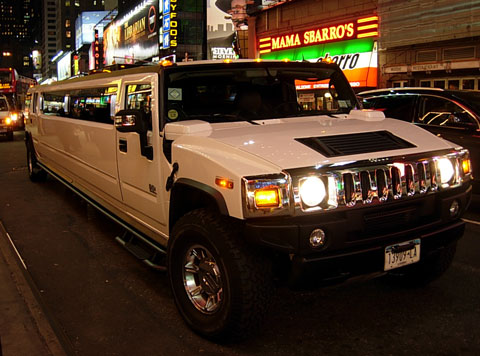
[
  {"x": 10, "y": 135},
  {"x": 35, "y": 173},
  {"x": 425, "y": 271},
  {"x": 234, "y": 277}
]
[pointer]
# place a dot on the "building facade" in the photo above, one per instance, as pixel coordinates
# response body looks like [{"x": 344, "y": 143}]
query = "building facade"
[
  {"x": 438, "y": 47},
  {"x": 59, "y": 18},
  {"x": 18, "y": 26}
]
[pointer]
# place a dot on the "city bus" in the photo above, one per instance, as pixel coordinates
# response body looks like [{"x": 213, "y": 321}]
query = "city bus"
[{"x": 14, "y": 87}]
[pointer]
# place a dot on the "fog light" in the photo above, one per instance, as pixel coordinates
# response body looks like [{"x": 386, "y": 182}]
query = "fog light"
[
  {"x": 454, "y": 208},
  {"x": 317, "y": 238}
]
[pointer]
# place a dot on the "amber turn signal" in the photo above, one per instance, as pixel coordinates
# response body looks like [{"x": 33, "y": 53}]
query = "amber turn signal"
[
  {"x": 224, "y": 183},
  {"x": 466, "y": 166},
  {"x": 267, "y": 198}
]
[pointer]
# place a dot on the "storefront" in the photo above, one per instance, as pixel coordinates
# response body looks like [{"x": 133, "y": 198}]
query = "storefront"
[{"x": 352, "y": 44}]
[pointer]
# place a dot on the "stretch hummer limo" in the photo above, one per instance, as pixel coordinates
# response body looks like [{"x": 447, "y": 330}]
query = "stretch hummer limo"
[{"x": 236, "y": 175}]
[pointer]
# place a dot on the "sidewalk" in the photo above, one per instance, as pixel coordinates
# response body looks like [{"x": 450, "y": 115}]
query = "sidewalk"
[{"x": 24, "y": 327}]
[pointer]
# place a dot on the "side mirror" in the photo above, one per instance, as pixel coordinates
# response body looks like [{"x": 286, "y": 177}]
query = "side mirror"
[
  {"x": 135, "y": 121},
  {"x": 131, "y": 120}
]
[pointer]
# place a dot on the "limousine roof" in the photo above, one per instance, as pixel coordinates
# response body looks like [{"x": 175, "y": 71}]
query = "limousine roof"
[{"x": 164, "y": 65}]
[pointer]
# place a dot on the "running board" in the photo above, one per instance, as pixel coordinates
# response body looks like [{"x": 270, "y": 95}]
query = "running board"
[{"x": 142, "y": 251}]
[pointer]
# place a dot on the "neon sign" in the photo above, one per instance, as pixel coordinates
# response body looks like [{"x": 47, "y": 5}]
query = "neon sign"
[{"x": 360, "y": 28}]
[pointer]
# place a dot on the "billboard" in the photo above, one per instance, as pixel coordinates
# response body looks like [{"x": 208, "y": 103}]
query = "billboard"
[
  {"x": 64, "y": 66},
  {"x": 223, "y": 18},
  {"x": 84, "y": 27},
  {"x": 133, "y": 36}
]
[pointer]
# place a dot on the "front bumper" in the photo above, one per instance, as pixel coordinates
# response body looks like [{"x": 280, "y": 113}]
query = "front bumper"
[{"x": 356, "y": 237}]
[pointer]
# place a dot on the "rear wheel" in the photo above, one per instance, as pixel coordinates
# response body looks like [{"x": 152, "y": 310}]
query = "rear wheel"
[
  {"x": 427, "y": 270},
  {"x": 10, "y": 135},
  {"x": 221, "y": 286},
  {"x": 35, "y": 173}
]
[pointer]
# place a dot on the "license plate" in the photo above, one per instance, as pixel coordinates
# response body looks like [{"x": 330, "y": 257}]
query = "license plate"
[{"x": 402, "y": 254}]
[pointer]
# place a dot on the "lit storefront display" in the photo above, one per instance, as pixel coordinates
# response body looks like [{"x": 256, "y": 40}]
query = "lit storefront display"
[{"x": 350, "y": 44}]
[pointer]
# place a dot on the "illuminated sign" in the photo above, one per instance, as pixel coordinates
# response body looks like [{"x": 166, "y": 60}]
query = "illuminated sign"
[
  {"x": 170, "y": 24},
  {"x": 97, "y": 49},
  {"x": 360, "y": 28},
  {"x": 222, "y": 53},
  {"x": 357, "y": 58}
]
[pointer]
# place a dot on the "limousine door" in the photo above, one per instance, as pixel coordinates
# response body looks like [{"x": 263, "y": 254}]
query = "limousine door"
[{"x": 139, "y": 174}]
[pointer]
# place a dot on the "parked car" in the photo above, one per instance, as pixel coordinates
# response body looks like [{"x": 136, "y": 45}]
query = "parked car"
[
  {"x": 451, "y": 114},
  {"x": 8, "y": 118}
]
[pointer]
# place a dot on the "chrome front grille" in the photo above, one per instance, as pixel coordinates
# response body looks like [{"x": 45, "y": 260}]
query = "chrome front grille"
[
  {"x": 380, "y": 181},
  {"x": 387, "y": 182}
]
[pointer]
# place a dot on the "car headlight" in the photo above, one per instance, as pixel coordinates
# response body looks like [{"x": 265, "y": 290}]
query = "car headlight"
[
  {"x": 8, "y": 120},
  {"x": 312, "y": 191},
  {"x": 446, "y": 170},
  {"x": 14, "y": 116}
]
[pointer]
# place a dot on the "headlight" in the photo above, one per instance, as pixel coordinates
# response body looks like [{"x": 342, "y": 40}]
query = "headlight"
[
  {"x": 14, "y": 116},
  {"x": 312, "y": 191},
  {"x": 446, "y": 170},
  {"x": 8, "y": 120}
]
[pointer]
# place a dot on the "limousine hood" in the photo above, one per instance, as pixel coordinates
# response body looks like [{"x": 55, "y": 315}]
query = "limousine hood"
[{"x": 312, "y": 141}]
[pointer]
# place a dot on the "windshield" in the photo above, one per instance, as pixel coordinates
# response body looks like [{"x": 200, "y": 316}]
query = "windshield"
[
  {"x": 5, "y": 77},
  {"x": 222, "y": 94}
]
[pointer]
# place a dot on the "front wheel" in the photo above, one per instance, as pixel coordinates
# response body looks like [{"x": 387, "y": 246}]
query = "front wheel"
[
  {"x": 425, "y": 271},
  {"x": 221, "y": 285}
]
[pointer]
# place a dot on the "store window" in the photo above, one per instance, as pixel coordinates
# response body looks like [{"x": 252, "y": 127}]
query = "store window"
[
  {"x": 453, "y": 84},
  {"x": 425, "y": 84},
  {"x": 400, "y": 84},
  {"x": 468, "y": 84},
  {"x": 438, "y": 111},
  {"x": 439, "y": 84}
]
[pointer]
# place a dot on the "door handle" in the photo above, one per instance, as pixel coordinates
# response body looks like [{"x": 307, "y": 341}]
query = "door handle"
[{"x": 122, "y": 145}]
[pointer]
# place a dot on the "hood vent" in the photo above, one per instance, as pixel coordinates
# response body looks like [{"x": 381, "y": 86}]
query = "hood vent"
[{"x": 352, "y": 144}]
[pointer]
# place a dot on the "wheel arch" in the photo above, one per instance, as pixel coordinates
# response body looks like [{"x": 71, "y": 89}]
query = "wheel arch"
[{"x": 188, "y": 195}]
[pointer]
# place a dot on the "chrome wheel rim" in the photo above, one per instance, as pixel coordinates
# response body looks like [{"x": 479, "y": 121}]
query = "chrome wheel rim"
[{"x": 202, "y": 279}]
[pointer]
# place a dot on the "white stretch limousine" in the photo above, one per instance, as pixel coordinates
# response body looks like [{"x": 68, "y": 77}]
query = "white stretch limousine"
[{"x": 233, "y": 175}]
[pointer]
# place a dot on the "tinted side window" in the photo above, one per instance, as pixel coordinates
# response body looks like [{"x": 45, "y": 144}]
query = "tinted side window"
[
  {"x": 90, "y": 104},
  {"x": 443, "y": 112},
  {"x": 52, "y": 103},
  {"x": 139, "y": 97},
  {"x": 395, "y": 106}
]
